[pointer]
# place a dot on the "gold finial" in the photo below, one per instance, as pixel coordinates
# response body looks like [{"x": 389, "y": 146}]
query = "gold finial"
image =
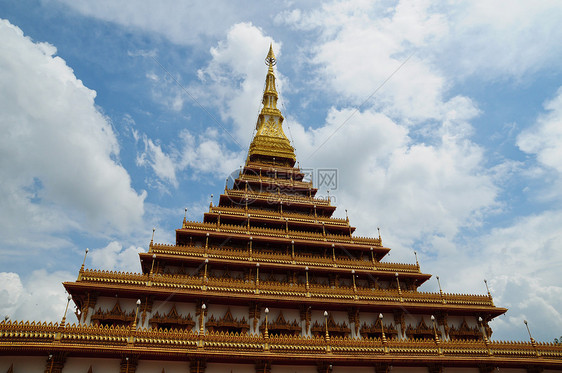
[
  {"x": 152, "y": 239},
  {"x": 270, "y": 140},
  {"x": 481, "y": 324},
  {"x": 270, "y": 59},
  {"x": 434, "y": 329},
  {"x": 68, "y": 299},
  {"x": 439, "y": 283},
  {"x": 529, "y": 331},
  {"x": 417, "y": 263},
  {"x": 383, "y": 337},
  {"x": 134, "y": 326},
  {"x": 266, "y": 333},
  {"x": 326, "y": 321},
  {"x": 487, "y": 288},
  {"x": 84, "y": 261}
]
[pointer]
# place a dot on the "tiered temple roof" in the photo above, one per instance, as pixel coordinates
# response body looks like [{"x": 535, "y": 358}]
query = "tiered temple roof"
[{"x": 271, "y": 242}]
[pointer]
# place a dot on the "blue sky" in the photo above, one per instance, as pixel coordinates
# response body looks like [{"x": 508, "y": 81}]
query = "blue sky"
[{"x": 116, "y": 116}]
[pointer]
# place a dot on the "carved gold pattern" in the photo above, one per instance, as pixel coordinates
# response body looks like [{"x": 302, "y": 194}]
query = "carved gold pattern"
[
  {"x": 335, "y": 329},
  {"x": 281, "y": 326},
  {"x": 422, "y": 330},
  {"x": 115, "y": 316},
  {"x": 374, "y": 330},
  {"x": 227, "y": 323},
  {"x": 465, "y": 332},
  {"x": 172, "y": 320}
]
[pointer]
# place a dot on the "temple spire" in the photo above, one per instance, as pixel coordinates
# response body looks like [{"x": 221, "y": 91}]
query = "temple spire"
[{"x": 270, "y": 141}]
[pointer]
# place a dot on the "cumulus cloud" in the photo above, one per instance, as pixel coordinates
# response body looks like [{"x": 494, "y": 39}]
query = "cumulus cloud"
[
  {"x": 375, "y": 50},
  {"x": 525, "y": 258},
  {"x": 544, "y": 138},
  {"x": 115, "y": 257},
  {"x": 199, "y": 154},
  {"x": 234, "y": 78},
  {"x": 39, "y": 297},
  {"x": 182, "y": 23},
  {"x": 501, "y": 38},
  {"x": 437, "y": 187},
  {"x": 58, "y": 154}
]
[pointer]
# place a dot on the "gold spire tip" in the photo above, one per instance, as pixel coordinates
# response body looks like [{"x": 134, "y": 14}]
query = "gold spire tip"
[{"x": 270, "y": 59}]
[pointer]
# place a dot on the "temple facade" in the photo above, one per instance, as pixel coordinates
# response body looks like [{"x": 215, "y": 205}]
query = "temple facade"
[{"x": 268, "y": 281}]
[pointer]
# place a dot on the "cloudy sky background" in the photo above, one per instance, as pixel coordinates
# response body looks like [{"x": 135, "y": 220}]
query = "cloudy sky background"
[{"x": 115, "y": 116}]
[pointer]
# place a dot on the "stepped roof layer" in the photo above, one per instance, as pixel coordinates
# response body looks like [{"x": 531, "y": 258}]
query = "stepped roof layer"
[{"x": 272, "y": 241}]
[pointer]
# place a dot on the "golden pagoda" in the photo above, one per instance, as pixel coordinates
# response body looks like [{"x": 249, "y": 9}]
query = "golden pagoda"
[{"x": 268, "y": 281}]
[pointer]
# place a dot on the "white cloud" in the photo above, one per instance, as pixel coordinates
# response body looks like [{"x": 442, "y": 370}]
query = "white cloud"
[
  {"x": 182, "y": 23},
  {"x": 115, "y": 257},
  {"x": 199, "y": 154},
  {"x": 162, "y": 165},
  {"x": 437, "y": 187},
  {"x": 544, "y": 138},
  {"x": 524, "y": 262},
  {"x": 464, "y": 39},
  {"x": 39, "y": 297},
  {"x": 58, "y": 152},
  {"x": 502, "y": 38},
  {"x": 234, "y": 79}
]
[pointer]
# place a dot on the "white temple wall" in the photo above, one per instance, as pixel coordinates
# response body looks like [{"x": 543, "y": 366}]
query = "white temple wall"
[
  {"x": 30, "y": 364},
  {"x": 289, "y": 314},
  {"x": 415, "y": 319},
  {"x": 164, "y": 307},
  {"x": 156, "y": 366},
  {"x": 88, "y": 319},
  {"x": 218, "y": 310},
  {"x": 227, "y": 368},
  {"x": 23, "y": 364},
  {"x": 82, "y": 364},
  {"x": 107, "y": 303},
  {"x": 294, "y": 369},
  {"x": 456, "y": 321}
]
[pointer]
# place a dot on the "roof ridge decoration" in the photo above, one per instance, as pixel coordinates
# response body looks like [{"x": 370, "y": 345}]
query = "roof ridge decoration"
[{"x": 270, "y": 142}]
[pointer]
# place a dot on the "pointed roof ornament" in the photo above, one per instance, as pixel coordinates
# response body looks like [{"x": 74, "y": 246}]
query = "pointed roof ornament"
[
  {"x": 270, "y": 59},
  {"x": 269, "y": 140}
]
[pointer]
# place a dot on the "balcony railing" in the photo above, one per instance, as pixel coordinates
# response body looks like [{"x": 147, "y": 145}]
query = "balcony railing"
[
  {"x": 229, "y": 253},
  {"x": 81, "y": 340},
  {"x": 284, "y": 290}
]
